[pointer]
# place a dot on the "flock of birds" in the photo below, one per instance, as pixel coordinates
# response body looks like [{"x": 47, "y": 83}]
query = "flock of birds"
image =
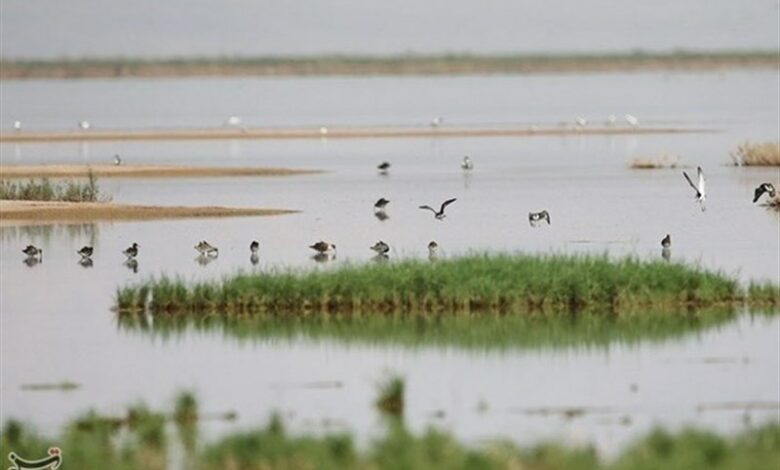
[{"x": 326, "y": 251}]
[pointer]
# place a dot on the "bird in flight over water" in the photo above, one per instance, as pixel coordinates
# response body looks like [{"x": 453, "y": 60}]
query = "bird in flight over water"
[
  {"x": 699, "y": 187},
  {"x": 440, "y": 213}
]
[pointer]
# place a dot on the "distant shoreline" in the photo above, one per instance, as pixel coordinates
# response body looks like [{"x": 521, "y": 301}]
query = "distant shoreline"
[
  {"x": 141, "y": 171},
  {"x": 19, "y": 69}
]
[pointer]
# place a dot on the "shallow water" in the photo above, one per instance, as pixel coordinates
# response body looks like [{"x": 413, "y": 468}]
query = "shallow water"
[{"x": 55, "y": 322}]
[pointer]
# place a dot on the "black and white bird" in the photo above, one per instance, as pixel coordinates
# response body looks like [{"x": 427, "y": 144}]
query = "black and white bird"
[
  {"x": 381, "y": 204},
  {"x": 467, "y": 164},
  {"x": 381, "y": 248},
  {"x": 132, "y": 251},
  {"x": 699, "y": 187},
  {"x": 666, "y": 242},
  {"x": 440, "y": 213},
  {"x": 254, "y": 247},
  {"x": 764, "y": 188},
  {"x": 33, "y": 251},
  {"x": 535, "y": 217},
  {"x": 117, "y": 160},
  {"x": 383, "y": 167},
  {"x": 206, "y": 249},
  {"x": 86, "y": 251},
  {"x": 323, "y": 247},
  {"x": 433, "y": 250}
]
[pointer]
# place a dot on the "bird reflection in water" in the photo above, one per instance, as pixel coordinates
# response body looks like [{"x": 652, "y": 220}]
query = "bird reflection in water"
[
  {"x": 204, "y": 260},
  {"x": 324, "y": 257},
  {"x": 85, "y": 262},
  {"x": 132, "y": 265}
]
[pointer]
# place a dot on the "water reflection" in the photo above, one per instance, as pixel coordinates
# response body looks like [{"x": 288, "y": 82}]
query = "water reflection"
[
  {"x": 381, "y": 215},
  {"x": 31, "y": 261},
  {"x": 666, "y": 253},
  {"x": 254, "y": 259},
  {"x": 204, "y": 259},
  {"x": 324, "y": 257},
  {"x": 380, "y": 258},
  {"x": 132, "y": 265},
  {"x": 44, "y": 233},
  {"x": 86, "y": 262}
]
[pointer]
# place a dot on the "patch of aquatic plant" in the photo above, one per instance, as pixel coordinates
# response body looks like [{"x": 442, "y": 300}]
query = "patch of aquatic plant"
[
  {"x": 390, "y": 398},
  {"x": 471, "y": 284},
  {"x": 91, "y": 442},
  {"x": 45, "y": 190},
  {"x": 664, "y": 160},
  {"x": 757, "y": 154},
  {"x": 485, "y": 331}
]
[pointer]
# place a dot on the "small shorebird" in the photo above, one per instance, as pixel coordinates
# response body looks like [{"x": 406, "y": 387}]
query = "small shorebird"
[
  {"x": 535, "y": 217},
  {"x": 233, "y": 121},
  {"x": 581, "y": 121},
  {"x": 440, "y": 213},
  {"x": 33, "y": 251},
  {"x": 433, "y": 250},
  {"x": 323, "y": 247},
  {"x": 206, "y": 249},
  {"x": 381, "y": 203},
  {"x": 631, "y": 120},
  {"x": 437, "y": 121},
  {"x": 132, "y": 251},
  {"x": 117, "y": 160},
  {"x": 701, "y": 195},
  {"x": 764, "y": 188},
  {"x": 381, "y": 247},
  {"x": 254, "y": 247},
  {"x": 17, "y": 125},
  {"x": 84, "y": 125},
  {"x": 667, "y": 241},
  {"x": 86, "y": 251},
  {"x": 383, "y": 167},
  {"x": 466, "y": 164}
]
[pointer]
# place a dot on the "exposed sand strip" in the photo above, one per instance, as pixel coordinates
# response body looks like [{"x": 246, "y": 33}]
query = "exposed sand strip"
[
  {"x": 330, "y": 133},
  {"x": 139, "y": 171},
  {"x": 45, "y": 212}
]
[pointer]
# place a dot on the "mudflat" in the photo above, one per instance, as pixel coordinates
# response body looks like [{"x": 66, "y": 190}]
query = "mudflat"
[
  {"x": 47, "y": 212},
  {"x": 140, "y": 171}
]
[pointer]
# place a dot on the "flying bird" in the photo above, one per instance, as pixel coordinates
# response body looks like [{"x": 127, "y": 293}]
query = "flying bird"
[
  {"x": 466, "y": 164},
  {"x": 440, "y": 213},
  {"x": 700, "y": 189},
  {"x": 535, "y": 217},
  {"x": 132, "y": 251},
  {"x": 764, "y": 188}
]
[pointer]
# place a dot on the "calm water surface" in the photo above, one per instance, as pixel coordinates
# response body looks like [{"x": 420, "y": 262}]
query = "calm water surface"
[{"x": 55, "y": 318}]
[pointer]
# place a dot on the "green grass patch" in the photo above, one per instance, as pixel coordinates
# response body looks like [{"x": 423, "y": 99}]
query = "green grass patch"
[
  {"x": 477, "y": 283},
  {"x": 45, "y": 190},
  {"x": 142, "y": 441}
]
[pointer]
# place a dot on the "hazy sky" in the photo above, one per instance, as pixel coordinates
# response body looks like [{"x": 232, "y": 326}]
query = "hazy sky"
[{"x": 145, "y": 28}]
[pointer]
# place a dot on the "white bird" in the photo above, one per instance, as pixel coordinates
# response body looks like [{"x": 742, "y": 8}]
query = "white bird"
[
  {"x": 323, "y": 130},
  {"x": 437, "y": 121},
  {"x": 17, "y": 125},
  {"x": 466, "y": 164},
  {"x": 84, "y": 125},
  {"x": 700, "y": 187},
  {"x": 611, "y": 120},
  {"x": 581, "y": 122},
  {"x": 631, "y": 120},
  {"x": 233, "y": 121},
  {"x": 117, "y": 160}
]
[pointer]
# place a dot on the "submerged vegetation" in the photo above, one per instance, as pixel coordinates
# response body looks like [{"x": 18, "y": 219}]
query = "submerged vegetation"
[
  {"x": 45, "y": 190},
  {"x": 410, "y": 64},
  {"x": 664, "y": 160},
  {"x": 756, "y": 154},
  {"x": 477, "y": 283},
  {"x": 142, "y": 440}
]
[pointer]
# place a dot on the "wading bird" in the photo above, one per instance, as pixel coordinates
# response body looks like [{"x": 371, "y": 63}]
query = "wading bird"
[
  {"x": 85, "y": 251},
  {"x": 440, "y": 213},
  {"x": 381, "y": 203},
  {"x": 33, "y": 251},
  {"x": 254, "y": 247},
  {"x": 666, "y": 242},
  {"x": 631, "y": 120},
  {"x": 466, "y": 164},
  {"x": 132, "y": 251},
  {"x": 206, "y": 249},
  {"x": 117, "y": 160},
  {"x": 383, "y": 167},
  {"x": 323, "y": 247},
  {"x": 381, "y": 248},
  {"x": 17, "y": 125}
]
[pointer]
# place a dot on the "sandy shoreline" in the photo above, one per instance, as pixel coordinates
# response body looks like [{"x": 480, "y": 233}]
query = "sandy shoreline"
[
  {"x": 46, "y": 212},
  {"x": 345, "y": 65},
  {"x": 333, "y": 133},
  {"x": 139, "y": 171}
]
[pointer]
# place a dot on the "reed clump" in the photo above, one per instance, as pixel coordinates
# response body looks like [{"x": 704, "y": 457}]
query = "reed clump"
[
  {"x": 45, "y": 190},
  {"x": 662, "y": 161},
  {"x": 476, "y": 283},
  {"x": 391, "y": 396},
  {"x": 757, "y": 154}
]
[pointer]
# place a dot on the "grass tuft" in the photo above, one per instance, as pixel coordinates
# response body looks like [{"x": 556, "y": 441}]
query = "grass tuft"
[
  {"x": 756, "y": 154},
  {"x": 664, "y": 160},
  {"x": 391, "y": 396},
  {"x": 44, "y": 190}
]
